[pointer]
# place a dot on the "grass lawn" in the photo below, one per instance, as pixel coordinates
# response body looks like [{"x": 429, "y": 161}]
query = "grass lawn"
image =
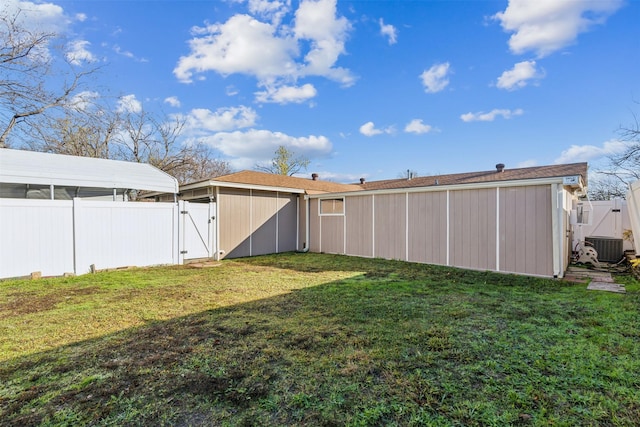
[{"x": 311, "y": 339}]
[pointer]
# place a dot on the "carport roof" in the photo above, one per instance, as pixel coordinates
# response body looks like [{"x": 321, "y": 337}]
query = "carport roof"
[{"x": 29, "y": 167}]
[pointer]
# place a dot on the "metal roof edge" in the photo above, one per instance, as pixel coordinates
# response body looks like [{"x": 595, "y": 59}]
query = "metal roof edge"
[{"x": 225, "y": 184}]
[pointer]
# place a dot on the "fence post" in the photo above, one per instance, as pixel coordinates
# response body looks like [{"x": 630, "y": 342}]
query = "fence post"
[{"x": 75, "y": 207}]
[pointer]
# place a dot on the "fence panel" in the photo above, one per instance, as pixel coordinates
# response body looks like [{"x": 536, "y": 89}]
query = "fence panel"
[
  {"x": 119, "y": 234},
  {"x": 36, "y": 235},
  {"x": 60, "y": 236}
]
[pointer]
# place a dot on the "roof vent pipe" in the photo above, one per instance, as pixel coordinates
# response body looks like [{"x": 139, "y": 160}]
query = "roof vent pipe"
[
  {"x": 362, "y": 180},
  {"x": 314, "y": 176},
  {"x": 500, "y": 167}
]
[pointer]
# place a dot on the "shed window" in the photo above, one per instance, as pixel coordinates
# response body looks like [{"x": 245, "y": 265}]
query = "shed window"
[{"x": 332, "y": 207}]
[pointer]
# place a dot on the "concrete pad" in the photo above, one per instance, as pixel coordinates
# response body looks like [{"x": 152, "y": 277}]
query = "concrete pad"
[{"x": 606, "y": 286}]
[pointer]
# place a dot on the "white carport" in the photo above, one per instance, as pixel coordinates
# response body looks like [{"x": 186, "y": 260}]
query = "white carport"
[
  {"x": 65, "y": 214},
  {"x": 28, "y": 174}
]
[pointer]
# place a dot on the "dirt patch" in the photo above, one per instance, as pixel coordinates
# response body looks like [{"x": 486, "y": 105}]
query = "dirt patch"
[{"x": 31, "y": 302}]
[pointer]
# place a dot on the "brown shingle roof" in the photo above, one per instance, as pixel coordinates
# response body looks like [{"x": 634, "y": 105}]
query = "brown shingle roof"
[
  {"x": 272, "y": 180},
  {"x": 479, "y": 177}
]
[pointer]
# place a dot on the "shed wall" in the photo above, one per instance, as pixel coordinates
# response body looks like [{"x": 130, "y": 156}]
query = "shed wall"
[
  {"x": 526, "y": 239},
  {"x": 483, "y": 229},
  {"x": 256, "y": 222},
  {"x": 428, "y": 227},
  {"x": 390, "y": 226},
  {"x": 472, "y": 228},
  {"x": 359, "y": 239},
  {"x": 234, "y": 207}
]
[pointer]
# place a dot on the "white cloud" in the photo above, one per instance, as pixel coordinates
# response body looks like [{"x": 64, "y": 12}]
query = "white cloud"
[
  {"x": 40, "y": 17},
  {"x": 78, "y": 52},
  {"x": 519, "y": 76},
  {"x": 240, "y": 45},
  {"x": 81, "y": 17},
  {"x": 128, "y": 104},
  {"x": 173, "y": 101},
  {"x": 369, "y": 129},
  {"x": 316, "y": 21},
  {"x": 252, "y": 147},
  {"x": 583, "y": 153},
  {"x": 202, "y": 121},
  {"x": 83, "y": 100},
  {"x": 287, "y": 94},
  {"x": 546, "y": 26},
  {"x": 389, "y": 31},
  {"x": 416, "y": 126},
  {"x": 491, "y": 116},
  {"x": 435, "y": 78},
  {"x": 275, "y": 53},
  {"x": 272, "y": 10}
]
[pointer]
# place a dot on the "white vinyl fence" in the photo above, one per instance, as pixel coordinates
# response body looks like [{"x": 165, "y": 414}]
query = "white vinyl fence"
[
  {"x": 608, "y": 218},
  {"x": 55, "y": 237}
]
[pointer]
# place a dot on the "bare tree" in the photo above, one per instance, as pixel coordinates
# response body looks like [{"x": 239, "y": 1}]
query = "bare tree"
[
  {"x": 92, "y": 131},
  {"x": 26, "y": 74},
  {"x": 285, "y": 162},
  {"x": 154, "y": 139},
  {"x": 606, "y": 188},
  {"x": 622, "y": 168}
]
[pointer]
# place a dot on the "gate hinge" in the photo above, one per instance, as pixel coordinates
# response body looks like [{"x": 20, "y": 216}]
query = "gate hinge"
[
  {"x": 184, "y": 212},
  {"x": 183, "y": 252}
]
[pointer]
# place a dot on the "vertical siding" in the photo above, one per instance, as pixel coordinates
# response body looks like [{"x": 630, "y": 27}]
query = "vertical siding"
[
  {"x": 472, "y": 228},
  {"x": 359, "y": 217},
  {"x": 428, "y": 227},
  {"x": 390, "y": 226},
  {"x": 315, "y": 245},
  {"x": 332, "y": 234},
  {"x": 526, "y": 243},
  {"x": 287, "y": 222},
  {"x": 235, "y": 222},
  {"x": 264, "y": 206}
]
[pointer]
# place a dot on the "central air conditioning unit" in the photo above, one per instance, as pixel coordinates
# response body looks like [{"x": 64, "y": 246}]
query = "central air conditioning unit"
[{"x": 609, "y": 249}]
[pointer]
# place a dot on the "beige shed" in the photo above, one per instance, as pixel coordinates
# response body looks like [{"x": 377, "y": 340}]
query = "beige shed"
[{"x": 508, "y": 220}]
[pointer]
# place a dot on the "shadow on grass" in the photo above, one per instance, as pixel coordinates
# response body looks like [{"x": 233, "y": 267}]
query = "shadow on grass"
[{"x": 398, "y": 344}]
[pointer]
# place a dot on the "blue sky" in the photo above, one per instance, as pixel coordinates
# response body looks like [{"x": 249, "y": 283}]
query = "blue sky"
[{"x": 369, "y": 88}]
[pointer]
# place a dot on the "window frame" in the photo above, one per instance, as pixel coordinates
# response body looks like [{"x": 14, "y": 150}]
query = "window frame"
[{"x": 332, "y": 213}]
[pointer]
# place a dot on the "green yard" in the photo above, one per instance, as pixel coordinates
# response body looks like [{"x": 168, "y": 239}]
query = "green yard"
[{"x": 311, "y": 339}]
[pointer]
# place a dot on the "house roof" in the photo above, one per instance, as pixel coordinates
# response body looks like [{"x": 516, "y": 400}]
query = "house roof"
[
  {"x": 30, "y": 167},
  {"x": 262, "y": 179},
  {"x": 537, "y": 172},
  {"x": 268, "y": 181}
]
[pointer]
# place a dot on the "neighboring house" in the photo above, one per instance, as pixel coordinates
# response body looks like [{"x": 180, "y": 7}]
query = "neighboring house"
[{"x": 510, "y": 220}]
